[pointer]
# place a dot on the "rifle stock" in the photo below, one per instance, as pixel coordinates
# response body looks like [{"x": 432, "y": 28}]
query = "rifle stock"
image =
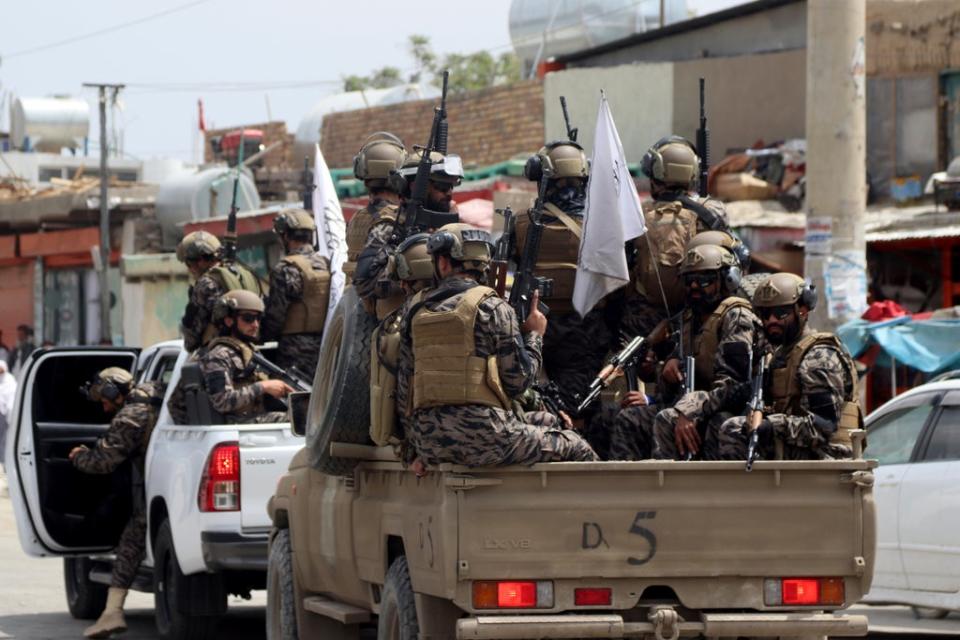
[
  {"x": 501, "y": 256},
  {"x": 755, "y": 413}
]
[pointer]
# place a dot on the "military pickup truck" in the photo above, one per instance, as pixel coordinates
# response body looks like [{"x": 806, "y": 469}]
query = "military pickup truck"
[{"x": 653, "y": 549}]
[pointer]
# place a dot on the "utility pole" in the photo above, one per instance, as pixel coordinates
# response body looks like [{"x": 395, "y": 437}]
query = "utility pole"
[
  {"x": 836, "y": 190},
  {"x": 105, "y": 333}
]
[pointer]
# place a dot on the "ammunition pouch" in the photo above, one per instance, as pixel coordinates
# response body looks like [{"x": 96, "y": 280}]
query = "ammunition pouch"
[{"x": 384, "y": 351}]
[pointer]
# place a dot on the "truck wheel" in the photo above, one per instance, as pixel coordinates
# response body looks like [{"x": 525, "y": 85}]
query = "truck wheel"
[
  {"x": 398, "y": 610},
  {"x": 930, "y": 613},
  {"x": 85, "y": 599},
  {"x": 281, "y": 602},
  {"x": 172, "y": 589},
  {"x": 340, "y": 403}
]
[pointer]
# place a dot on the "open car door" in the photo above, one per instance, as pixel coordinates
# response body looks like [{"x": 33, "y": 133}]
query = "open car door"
[{"x": 60, "y": 510}]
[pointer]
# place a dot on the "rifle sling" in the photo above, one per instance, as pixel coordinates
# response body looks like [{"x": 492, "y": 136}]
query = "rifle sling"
[
  {"x": 567, "y": 221},
  {"x": 709, "y": 218}
]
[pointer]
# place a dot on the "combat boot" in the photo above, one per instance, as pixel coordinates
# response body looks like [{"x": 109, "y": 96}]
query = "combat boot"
[{"x": 111, "y": 620}]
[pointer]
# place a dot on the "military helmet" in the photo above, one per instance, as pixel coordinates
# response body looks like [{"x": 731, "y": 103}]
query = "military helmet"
[
  {"x": 294, "y": 220},
  {"x": 728, "y": 241},
  {"x": 412, "y": 261},
  {"x": 781, "y": 289},
  {"x": 109, "y": 384},
  {"x": 198, "y": 245},
  {"x": 444, "y": 168},
  {"x": 672, "y": 161},
  {"x": 461, "y": 242},
  {"x": 381, "y": 153},
  {"x": 709, "y": 257},
  {"x": 558, "y": 159},
  {"x": 236, "y": 300}
]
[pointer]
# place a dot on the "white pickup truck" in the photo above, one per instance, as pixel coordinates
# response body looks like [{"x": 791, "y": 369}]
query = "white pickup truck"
[{"x": 207, "y": 486}]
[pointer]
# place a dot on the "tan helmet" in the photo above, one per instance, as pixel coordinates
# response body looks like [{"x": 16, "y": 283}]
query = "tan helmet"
[
  {"x": 561, "y": 159},
  {"x": 381, "y": 153},
  {"x": 236, "y": 300},
  {"x": 198, "y": 245},
  {"x": 462, "y": 242},
  {"x": 783, "y": 289},
  {"x": 709, "y": 257},
  {"x": 723, "y": 239},
  {"x": 109, "y": 384},
  {"x": 412, "y": 262},
  {"x": 293, "y": 220},
  {"x": 672, "y": 161}
]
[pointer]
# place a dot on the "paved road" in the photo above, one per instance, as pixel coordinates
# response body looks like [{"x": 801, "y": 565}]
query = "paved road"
[{"x": 33, "y": 607}]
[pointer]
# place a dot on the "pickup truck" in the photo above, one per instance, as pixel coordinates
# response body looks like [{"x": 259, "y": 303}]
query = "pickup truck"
[{"x": 206, "y": 490}]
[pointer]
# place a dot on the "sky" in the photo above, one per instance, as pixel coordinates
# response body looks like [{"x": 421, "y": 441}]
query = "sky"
[{"x": 283, "y": 55}]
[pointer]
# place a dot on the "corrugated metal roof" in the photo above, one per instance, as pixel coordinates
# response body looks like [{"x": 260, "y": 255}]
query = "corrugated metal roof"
[{"x": 917, "y": 233}]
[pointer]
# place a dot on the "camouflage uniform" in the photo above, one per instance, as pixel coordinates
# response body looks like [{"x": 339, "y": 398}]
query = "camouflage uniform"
[
  {"x": 233, "y": 385},
  {"x": 480, "y": 435},
  {"x": 300, "y": 350},
  {"x": 822, "y": 376},
  {"x": 632, "y": 436},
  {"x": 127, "y": 439},
  {"x": 202, "y": 297},
  {"x": 177, "y": 403},
  {"x": 371, "y": 278}
]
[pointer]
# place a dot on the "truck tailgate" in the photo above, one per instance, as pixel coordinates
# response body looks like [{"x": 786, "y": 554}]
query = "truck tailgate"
[
  {"x": 265, "y": 454},
  {"x": 666, "y": 519}
]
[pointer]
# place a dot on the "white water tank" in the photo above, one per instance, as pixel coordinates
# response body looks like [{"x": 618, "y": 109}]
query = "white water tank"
[
  {"x": 541, "y": 29},
  {"x": 197, "y": 196},
  {"x": 308, "y": 131},
  {"x": 49, "y": 124}
]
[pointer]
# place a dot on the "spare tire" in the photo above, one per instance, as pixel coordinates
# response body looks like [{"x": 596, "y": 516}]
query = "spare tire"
[{"x": 340, "y": 403}]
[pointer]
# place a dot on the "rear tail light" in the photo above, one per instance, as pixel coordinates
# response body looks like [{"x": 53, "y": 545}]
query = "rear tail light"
[
  {"x": 803, "y": 592},
  {"x": 512, "y": 594},
  {"x": 220, "y": 484},
  {"x": 592, "y": 597}
]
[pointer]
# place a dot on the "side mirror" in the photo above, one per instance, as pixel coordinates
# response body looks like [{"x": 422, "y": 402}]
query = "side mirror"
[{"x": 298, "y": 411}]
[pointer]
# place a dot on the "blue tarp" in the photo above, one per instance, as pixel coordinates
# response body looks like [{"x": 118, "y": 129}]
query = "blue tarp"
[{"x": 930, "y": 346}]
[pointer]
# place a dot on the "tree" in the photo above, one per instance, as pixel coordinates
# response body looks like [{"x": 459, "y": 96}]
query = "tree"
[{"x": 382, "y": 78}]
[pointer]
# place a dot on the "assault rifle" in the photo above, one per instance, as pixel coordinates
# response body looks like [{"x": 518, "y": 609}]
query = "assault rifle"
[
  {"x": 525, "y": 281},
  {"x": 703, "y": 145},
  {"x": 571, "y": 131},
  {"x": 502, "y": 252},
  {"x": 622, "y": 362},
  {"x": 689, "y": 383},
  {"x": 229, "y": 249},
  {"x": 416, "y": 217},
  {"x": 755, "y": 414},
  {"x": 308, "y": 187},
  {"x": 292, "y": 376}
]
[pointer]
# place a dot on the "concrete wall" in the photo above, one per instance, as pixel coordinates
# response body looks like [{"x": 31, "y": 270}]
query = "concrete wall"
[
  {"x": 749, "y": 98},
  {"x": 640, "y": 96},
  {"x": 782, "y": 28},
  {"x": 154, "y": 294}
]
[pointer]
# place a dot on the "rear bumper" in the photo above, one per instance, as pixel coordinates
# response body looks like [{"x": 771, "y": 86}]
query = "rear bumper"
[
  {"x": 230, "y": 551},
  {"x": 525, "y": 627}
]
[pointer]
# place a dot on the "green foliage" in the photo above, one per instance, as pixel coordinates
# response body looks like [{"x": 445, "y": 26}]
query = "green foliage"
[{"x": 382, "y": 78}]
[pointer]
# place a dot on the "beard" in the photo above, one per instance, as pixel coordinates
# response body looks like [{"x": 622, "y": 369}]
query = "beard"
[{"x": 569, "y": 199}]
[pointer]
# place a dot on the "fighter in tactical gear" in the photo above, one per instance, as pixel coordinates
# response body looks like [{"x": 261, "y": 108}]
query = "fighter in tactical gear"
[
  {"x": 720, "y": 333},
  {"x": 573, "y": 348},
  {"x": 235, "y": 386},
  {"x": 296, "y": 308},
  {"x": 673, "y": 218},
  {"x": 381, "y": 153},
  {"x": 134, "y": 409},
  {"x": 463, "y": 359},
  {"x": 200, "y": 251},
  {"x": 811, "y": 384},
  {"x": 371, "y": 279}
]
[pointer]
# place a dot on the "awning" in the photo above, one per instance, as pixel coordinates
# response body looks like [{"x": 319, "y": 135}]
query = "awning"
[{"x": 930, "y": 346}]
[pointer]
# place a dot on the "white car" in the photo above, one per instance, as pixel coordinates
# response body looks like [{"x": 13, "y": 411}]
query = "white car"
[
  {"x": 916, "y": 438},
  {"x": 206, "y": 488}
]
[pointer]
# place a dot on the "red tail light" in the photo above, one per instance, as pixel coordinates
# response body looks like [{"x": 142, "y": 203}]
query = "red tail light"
[
  {"x": 594, "y": 597},
  {"x": 517, "y": 595},
  {"x": 803, "y": 592},
  {"x": 512, "y": 594},
  {"x": 220, "y": 484}
]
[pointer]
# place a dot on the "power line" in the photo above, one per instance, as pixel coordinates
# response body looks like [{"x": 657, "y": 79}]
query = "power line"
[{"x": 110, "y": 29}]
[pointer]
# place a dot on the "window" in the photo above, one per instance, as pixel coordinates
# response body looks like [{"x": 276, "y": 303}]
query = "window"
[
  {"x": 945, "y": 441},
  {"x": 164, "y": 369},
  {"x": 891, "y": 437}
]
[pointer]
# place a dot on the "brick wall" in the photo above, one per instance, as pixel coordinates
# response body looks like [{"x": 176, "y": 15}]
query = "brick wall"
[
  {"x": 912, "y": 35},
  {"x": 280, "y": 157},
  {"x": 486, "y": 126}
]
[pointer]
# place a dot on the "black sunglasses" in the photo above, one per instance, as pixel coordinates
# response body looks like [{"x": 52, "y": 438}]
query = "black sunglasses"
[
  {"x": 441, "y": 186},
  {"x": 702, "y": 280},
  {"x": 249, "y": 318},
  {"x": 779, "y": 313}
]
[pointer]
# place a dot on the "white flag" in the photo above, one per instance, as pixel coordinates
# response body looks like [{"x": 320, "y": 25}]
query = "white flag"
[
  {"x": 331, "y": 229},
  {"x": 613, "y": 216}
]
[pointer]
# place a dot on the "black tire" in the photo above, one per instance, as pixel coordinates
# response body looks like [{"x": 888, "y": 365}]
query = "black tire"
[
  {"x": 340, "y": 403},
  {"x": 85, "y": 599},
  {"x": 930, "y": 613},
  {"x": 398, "y": 610},
  {"x": 281, "y": 602},
  {"x": 172, "y": 592}
]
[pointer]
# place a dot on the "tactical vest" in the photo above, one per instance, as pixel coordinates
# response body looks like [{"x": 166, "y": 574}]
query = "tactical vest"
[
  {"x": 249, "y": 374},
  {"x": 229, "y": 277},
  {"x": 707, "y": 341},
  {"x": 384, "y": 351},
  {"x": 559, "y": 249},
  {"x": 151, "y": 394},
  {"x": 308, "y": 314},
  {"x": 446, "y": 368},
  {"x": 660, "y": 252},
  {"x": 359, "y": 228},
  {"x": 786, "y": 392}
]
